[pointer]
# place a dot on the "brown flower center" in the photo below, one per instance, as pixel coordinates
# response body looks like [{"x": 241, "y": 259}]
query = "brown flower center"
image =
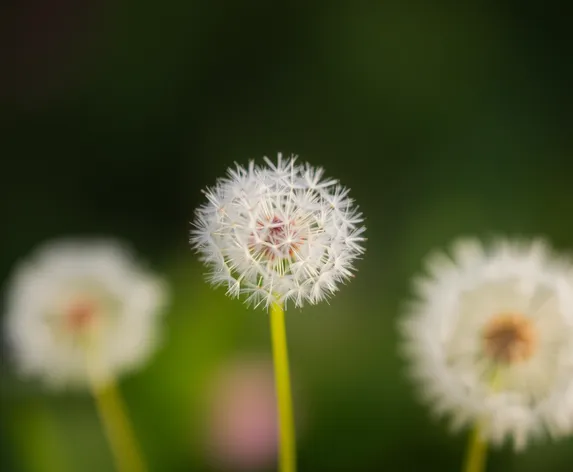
[{"x": 509, "y": 338}]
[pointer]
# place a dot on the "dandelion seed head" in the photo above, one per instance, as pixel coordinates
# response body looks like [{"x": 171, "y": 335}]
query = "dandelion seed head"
[
  {"x": 489, "y": 339},
  {"x": 278, "y": 231},
  {"x": 80, "y": 311}
]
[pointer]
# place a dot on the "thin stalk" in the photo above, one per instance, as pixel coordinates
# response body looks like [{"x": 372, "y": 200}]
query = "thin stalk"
[
  {"x": 477, "y": 447},
  {"x": 118, "y": 428},
  {"x": 476, "y": 452},
  {"x": 287, "y": 448}
]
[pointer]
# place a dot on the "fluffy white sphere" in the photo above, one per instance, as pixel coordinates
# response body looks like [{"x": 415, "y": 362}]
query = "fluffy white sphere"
[
  {"x": 81, "y": 311},
  {"x": 278, "y": 232},
  {"x": 489, "y": 339}
]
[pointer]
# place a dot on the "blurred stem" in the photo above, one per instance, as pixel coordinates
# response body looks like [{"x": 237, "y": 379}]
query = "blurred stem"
[
  {"x": 476, "y": 452},
  {"x": 287, "y": 453},
  {"x": 477, "y": 447},
  {"x": 117, "y": 428}
]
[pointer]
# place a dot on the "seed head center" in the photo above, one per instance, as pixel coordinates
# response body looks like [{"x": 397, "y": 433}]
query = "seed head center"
[
  {"x": 276, "y": 238},
  {"x": 80, "y": 314},
  {"x": 509, "y": 338},
  {"x": 277, "y": 232}
]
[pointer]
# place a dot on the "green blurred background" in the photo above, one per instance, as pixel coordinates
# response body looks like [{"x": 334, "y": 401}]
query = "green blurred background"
[{"x": 444, "y": 121}]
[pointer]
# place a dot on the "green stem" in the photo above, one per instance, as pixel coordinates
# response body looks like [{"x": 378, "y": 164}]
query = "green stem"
[
  {"x": 476, "y": 452},
  {"x": 477, "y": 447},
  {"x": 118, "y": 429},
  {"x": 287, "y": 452}
]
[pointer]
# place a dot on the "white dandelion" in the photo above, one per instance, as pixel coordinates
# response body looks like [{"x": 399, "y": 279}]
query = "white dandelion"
[
  {"x": 276, "y": 234},
  {"x": 279, "y": 231},
  {"x": 490, "y": 339},
  {"x": 80, "y": 312}
]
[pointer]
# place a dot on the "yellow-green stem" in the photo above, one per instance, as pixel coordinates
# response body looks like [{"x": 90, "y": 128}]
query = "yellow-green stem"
[
  {"x": 476, "y": 453},
  {"x": 118, "y": 429},
  {"x": 287, "y": 446},
  {"x": 477, "y": 447}
]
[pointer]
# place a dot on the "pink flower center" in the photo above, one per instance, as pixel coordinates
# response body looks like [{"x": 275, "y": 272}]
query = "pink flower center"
[
  {"x": 80, "y": 314},
  {"x": 276, "y": 238}
]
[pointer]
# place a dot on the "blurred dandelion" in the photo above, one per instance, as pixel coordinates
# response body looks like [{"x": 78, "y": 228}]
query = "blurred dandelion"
[
  {"x": 276, "y": 234},
  {"x": 80, "y": 314},
  {"x": 490, "y": 341}
]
